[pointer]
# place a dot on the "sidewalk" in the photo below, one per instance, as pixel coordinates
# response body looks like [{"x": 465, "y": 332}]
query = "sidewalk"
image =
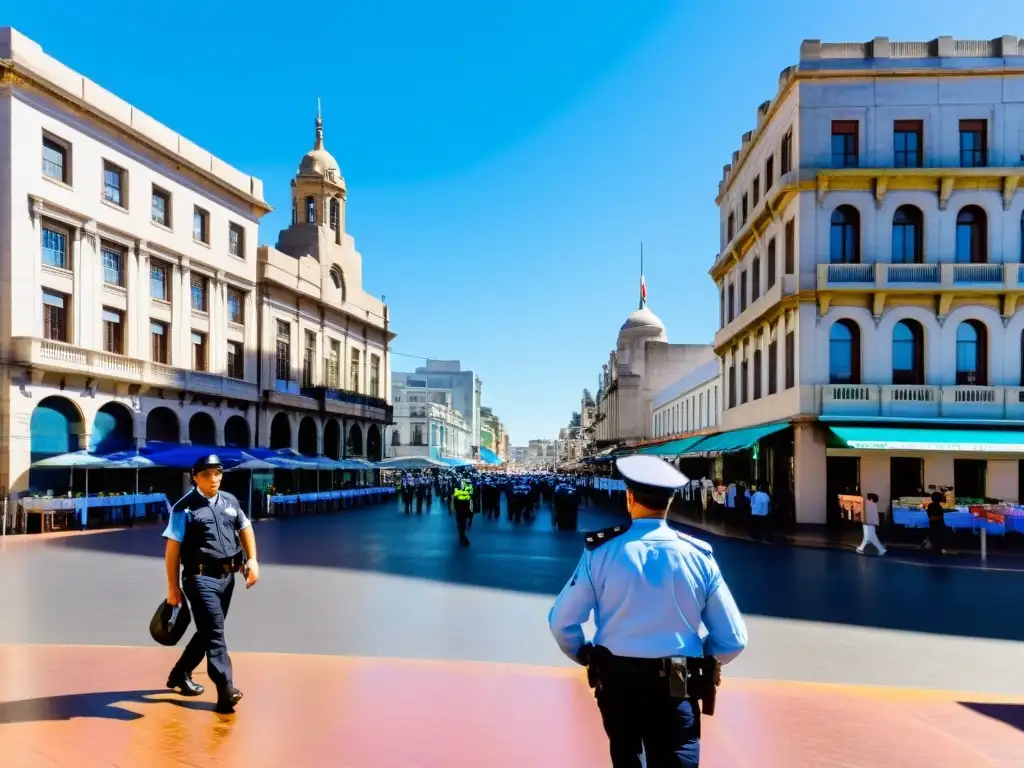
[{"x": 847, "y": 539}]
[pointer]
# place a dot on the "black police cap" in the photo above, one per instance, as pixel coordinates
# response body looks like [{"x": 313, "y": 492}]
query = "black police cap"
[
  {"x": 170, "y": 623},
  {"x": 207, "y": 462}
]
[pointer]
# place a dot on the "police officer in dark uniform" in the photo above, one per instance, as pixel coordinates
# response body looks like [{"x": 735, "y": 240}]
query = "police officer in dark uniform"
[
  {"x": 206, "y": 537},
  {"x": 650, "y": 589}
]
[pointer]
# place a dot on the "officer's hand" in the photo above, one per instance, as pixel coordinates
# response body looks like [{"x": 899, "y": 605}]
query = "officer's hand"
[
  {"x": 174, "y": 595},
  {"x": 252, "y": 573}
]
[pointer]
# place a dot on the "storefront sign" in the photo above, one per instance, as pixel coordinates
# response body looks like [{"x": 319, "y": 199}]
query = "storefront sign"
[{"x": 896, "y": 445}]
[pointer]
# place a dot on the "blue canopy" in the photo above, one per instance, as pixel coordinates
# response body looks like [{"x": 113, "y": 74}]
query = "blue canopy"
[
  {"x": 454, "y": 462},
  {"x": 488, "y": 456}
]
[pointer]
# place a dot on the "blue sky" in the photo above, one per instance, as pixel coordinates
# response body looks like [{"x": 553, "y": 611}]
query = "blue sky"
[{"x": 503, "y": 163}]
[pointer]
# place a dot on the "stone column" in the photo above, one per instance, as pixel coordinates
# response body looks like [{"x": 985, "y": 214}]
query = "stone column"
[
  {"x": 78, "y": 269},
  {"x": 810, "y": 466},
  {"x": 129, "y": 338},
  {"x": 178, "y": 296},
  {"x": 138, "y": 324},
  {"x": 250, "y": 341},
  {"x": 183, "y": 344}
]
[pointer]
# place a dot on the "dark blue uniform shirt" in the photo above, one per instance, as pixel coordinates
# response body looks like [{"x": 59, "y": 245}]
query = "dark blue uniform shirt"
[{"x": 207, "y": 528}]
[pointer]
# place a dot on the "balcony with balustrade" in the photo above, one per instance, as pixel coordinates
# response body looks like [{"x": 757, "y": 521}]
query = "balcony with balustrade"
[
  {"x": 942, "y": 280},
  {"x": 330, "y": 397},
  {"x": 909, "y": 401},
  {"x": 44, "y": 355}
]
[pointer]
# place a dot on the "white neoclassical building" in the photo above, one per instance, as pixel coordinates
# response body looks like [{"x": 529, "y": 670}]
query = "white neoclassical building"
[
  {"x": 872, "y": 240},
  {"x": 690, "y": 404},
  {"x": 426, "y": 423},
  {"x": 325, "y": 367},
  {"x": 127, "y": 274}
]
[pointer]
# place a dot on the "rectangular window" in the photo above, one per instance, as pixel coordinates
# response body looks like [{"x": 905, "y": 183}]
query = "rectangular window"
[
  {"x": 159, "y": 285},
  {"x": 730, "y": 229},
  {"x": 284, "y": 351},
  {"x": 374, "y": 376},
  {"x": 757, "y": 368},
  {"x": 732, "y": 303},
  {"x": 200, "y": 225},
  {"x": 743, "y": 290},
  {"x": 744, "y": 380},
  {"x": 790, "y": 246},
  {"x": 755, "y": 280},
  {"x": 158, "y": 333},
  {"x": 334, "y": 365},
  {"x": 845, "y": 143},
  {"x": 55, "y": 160},
  {"x": 198, "y": 283},
  {"x": 771, "y": 263},
  {"x": 113, "y": 265},
  {"x": 769, "y": 173},
  {"x": 908, "y": 143},
  {"x": 973, "y": 144},
  {"x": 55, "y": 316},
  {"x": 787, "y": 153},
  {"x": 198, "y": 351},
  {"x": 114, "y": 183},
  {"x": 721, "y": 308},
  {"x": 773, "y": 367},
  {"x": 757, "y": 191},
  {"x": 112, "y": 333},
  {"x": 236, "y": 241},
  {"x": 309, "y": 360},
  {"x": 236, "y": 360},
  {"x": 160, "y": 207},
  {"x": 417, "y": 434},
  {"x": 790, "y": 360},
  {"x": 55, "y": 248},
  {"x": 732, "y": 385},
  {"x": 236, "y": 304},
  {"x": 353, "y": 372},
  {"x": 744, "y": 210}
]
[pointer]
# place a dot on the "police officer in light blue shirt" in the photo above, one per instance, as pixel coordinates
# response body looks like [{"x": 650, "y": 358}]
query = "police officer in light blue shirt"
[{"x": 651, "y": 589}]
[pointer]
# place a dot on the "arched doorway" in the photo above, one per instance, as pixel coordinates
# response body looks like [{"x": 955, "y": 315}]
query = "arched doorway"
[
  {"x": 373, "y": 443},
  {"x": 307, "y": 437},
  {"x": 202, "y": 430},
  {"x": 280, "y": 432},
  {"x": 355, "y": 441},
  {"x": 112, "y": 429},
  {"x": 332, "y": 439},
  {"x": 162, "y": 426},
  {"x": 236, "y": 432},
  {"x": 56, "y": 427}
]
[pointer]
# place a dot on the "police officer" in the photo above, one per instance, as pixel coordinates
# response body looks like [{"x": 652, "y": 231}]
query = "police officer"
[
  {"x": 206, "y": 537},
  {"x": 650, "y": 588},
  {"x": 462, "y": 497}
]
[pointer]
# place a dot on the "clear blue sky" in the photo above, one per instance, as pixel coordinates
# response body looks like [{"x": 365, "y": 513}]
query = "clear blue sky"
[{"x": 504, "y": 161}]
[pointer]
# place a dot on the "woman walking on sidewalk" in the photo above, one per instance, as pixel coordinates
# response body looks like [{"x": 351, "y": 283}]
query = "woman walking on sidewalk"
[{"x": 871, "y": 526}]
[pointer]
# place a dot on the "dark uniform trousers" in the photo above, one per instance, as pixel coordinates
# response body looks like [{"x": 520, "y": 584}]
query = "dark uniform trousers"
[
  {"x": 209, "y": 597},
  {"x": 640, "y": 716}
]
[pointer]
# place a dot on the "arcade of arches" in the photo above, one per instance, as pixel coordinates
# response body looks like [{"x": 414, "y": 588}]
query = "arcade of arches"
[{"x": 360, "y": 440}]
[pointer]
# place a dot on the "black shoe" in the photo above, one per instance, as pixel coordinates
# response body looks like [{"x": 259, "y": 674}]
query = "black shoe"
[
  {"x": 184, "y": 685},
  {"x": 226, "y": 704}
]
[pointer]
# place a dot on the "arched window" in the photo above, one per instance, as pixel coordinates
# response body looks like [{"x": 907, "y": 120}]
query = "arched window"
[
  {"x": 971, "y": 353},
  {"x": 334, "y": 213},
  {"x": 311, "y": 210},
  {"x": 844, "y": 353},
  {"x": 907, "y": 353},
  {"x": 907, "y": 237},
  {"x": 295, "y": 212},
  {"x": 971, "y": 236},
  {"x": 845, "y": 237}
]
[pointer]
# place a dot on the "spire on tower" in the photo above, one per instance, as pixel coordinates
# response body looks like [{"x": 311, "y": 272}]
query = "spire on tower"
[
  {"x": 643, "y": 284},
  {"x": 319, "y": 144}
]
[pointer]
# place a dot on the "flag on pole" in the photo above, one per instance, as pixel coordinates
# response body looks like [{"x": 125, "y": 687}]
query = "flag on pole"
[
  {"x": 643, "y": 283},
  {"x": 643, "y": 289}
]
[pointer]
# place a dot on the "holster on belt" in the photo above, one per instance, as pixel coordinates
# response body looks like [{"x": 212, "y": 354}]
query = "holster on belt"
[{"x": 710, "y": 679}]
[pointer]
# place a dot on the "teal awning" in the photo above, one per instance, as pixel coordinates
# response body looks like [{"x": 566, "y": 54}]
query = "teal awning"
[
  {"x": 945, "y": 440},
  {"x": 736, "y": 440},
  {"x": 672, "y": 448}
]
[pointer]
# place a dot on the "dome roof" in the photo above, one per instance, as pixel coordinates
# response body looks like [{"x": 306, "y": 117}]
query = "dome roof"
[
  {"x": 318, "y": 161},
  {"x": 643, "y": 318}
]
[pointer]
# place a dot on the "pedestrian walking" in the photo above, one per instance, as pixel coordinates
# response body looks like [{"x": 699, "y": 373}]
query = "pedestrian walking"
[
  {"x": 650, "y": 588},
  {"x": 207, "y": 535},
  {"x": 760, "y": 504},
  {"x": 871, "y": 526}
]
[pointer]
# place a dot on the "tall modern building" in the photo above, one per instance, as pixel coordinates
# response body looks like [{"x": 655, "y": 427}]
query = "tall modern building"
[
  {"x": 869, "y": 274},
  {"x": 446, "y": 378}
]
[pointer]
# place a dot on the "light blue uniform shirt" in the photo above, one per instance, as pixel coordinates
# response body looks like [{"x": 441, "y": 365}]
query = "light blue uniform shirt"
[
  {"x": 651, "y": 589},
  {"x": 759, "y": 504}
]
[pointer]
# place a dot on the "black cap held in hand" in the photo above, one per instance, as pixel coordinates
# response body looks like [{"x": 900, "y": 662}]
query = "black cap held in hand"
[{"x": 170, "y": 623}]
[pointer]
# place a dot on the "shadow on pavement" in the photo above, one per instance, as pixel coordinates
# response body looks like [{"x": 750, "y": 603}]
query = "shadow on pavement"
[
  {"x": 775, "y": 581},
  {"x": 103, "y": 705},
  {"x": 1008, "y": 714}
]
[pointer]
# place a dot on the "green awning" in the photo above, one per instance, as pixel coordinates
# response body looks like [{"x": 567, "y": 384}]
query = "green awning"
[
  {"x": 736, "y": 440},
  {"x": 945, "y": 440},
  {"x": 670, "y": 449}
]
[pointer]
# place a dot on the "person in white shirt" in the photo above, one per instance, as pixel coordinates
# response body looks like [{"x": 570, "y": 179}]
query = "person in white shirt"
[{"x": 870, "y": 526}]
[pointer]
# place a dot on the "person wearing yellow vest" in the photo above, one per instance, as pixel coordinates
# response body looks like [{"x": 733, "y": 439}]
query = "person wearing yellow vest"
[{"x": 463, "y": 498}]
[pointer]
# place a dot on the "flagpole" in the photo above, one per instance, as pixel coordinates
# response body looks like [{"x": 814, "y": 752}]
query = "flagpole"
[{"x": 643, "y": 290}]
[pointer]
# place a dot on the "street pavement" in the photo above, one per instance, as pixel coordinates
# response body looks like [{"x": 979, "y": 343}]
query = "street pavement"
[{"x": 375, "y": 582}]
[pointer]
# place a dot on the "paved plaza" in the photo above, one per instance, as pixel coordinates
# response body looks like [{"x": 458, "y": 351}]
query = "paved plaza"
[{"x": 372, "y": 639}]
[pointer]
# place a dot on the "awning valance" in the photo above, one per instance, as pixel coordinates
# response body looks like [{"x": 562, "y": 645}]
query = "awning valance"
[
  {"x": 736, "y": 440},
  {"x": 928, "y": 440},
  {"x": 672, "y": 448}
]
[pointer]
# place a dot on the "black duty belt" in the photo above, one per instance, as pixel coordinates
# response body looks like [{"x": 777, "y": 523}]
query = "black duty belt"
[
  {"x": 640, "y": 666},
  {"x": 214, "y": 567}
]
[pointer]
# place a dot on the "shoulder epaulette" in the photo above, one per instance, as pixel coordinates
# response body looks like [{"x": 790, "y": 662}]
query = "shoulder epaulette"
[
  {"x": 595, "y": 539},
  {"x": 700, "y": 546}
]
